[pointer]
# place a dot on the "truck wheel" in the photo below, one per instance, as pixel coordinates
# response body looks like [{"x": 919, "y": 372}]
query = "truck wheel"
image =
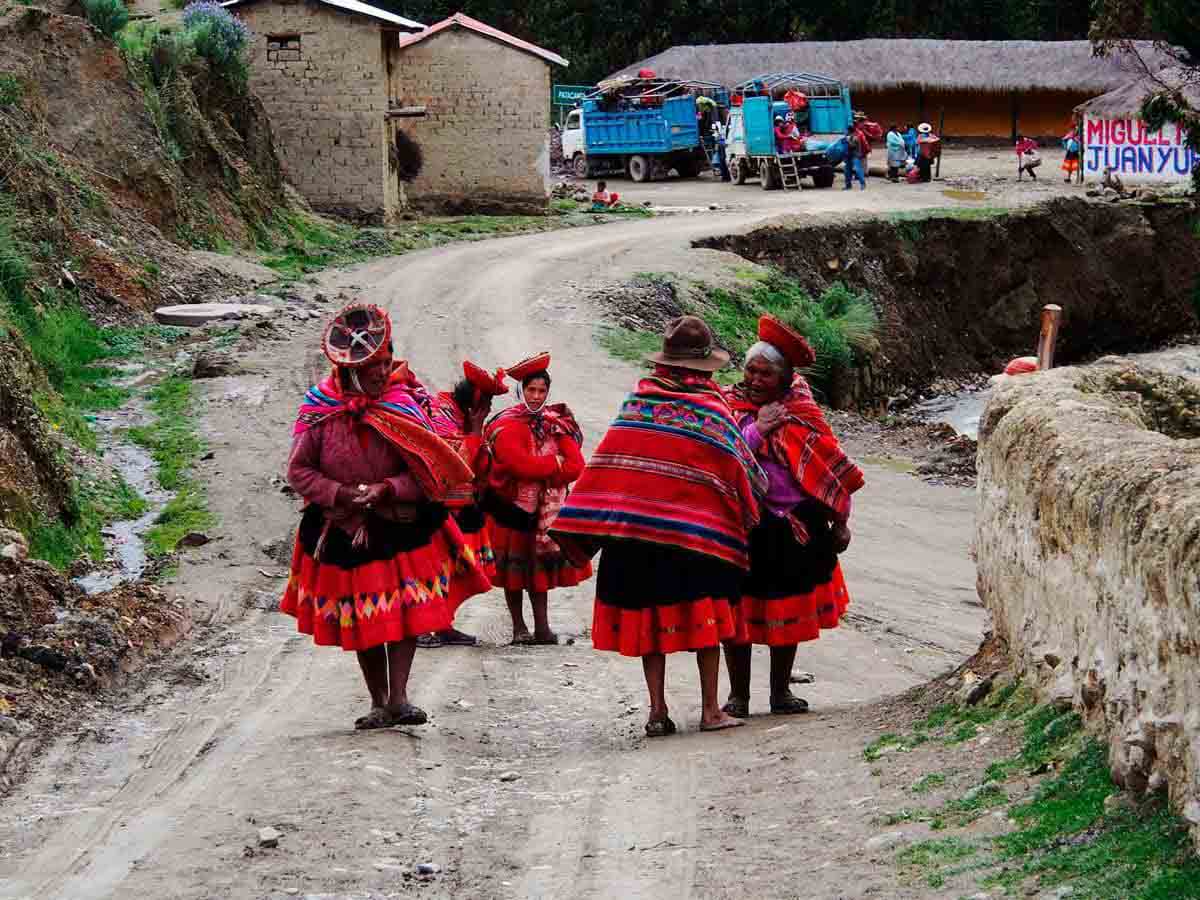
[
  {"x": 639, "y": 168},
  {"x": 583, "y": 168},
  {"x": 824, "y": 178},
  {"x": 738, "y": 170},
  {"x": 767, "y": 176}
]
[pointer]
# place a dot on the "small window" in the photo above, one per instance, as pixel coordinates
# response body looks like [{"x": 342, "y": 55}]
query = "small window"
[
  {"x": 573, "y": 121},
  {"x": 284, "y": 48}
]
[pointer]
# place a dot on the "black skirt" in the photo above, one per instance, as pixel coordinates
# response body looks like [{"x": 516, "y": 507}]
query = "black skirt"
[
  {"x": 470, "y": 519},
  {"x": 638, "y": 575},
  {"x": 385, "y": 538},
  {"x": 508, "y": 514},
  {"x": 782, "y": 567}
]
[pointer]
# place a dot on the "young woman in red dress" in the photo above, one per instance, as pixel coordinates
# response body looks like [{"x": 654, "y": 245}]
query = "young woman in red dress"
[{"x": 535, "y": 450}]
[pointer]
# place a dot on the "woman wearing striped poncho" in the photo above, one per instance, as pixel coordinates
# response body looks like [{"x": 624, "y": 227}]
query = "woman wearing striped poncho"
[{"x": 668, "y": 500}]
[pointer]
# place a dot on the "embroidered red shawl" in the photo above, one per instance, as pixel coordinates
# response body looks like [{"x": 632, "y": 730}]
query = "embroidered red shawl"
[
  {"x": 400, "y": 417},
  {"x": 672, "y": 469},
  {"x": 807, "y": 447}
]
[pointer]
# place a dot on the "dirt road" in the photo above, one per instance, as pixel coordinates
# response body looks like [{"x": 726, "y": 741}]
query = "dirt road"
[{"x": 533, "y": 779}]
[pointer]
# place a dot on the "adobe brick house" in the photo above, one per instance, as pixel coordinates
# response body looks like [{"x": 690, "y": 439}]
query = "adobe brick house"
[
  {"x": 340, "y": 78},
  {"x": 484, "y": 135}
]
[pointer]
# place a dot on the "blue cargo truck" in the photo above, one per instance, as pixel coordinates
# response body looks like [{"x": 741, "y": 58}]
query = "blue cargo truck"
[
  {"x": 645, "y": 128},
  {"x": 821, "y": 107}
]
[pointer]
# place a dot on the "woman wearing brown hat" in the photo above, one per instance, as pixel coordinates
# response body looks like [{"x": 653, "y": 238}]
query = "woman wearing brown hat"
[
  {"x": 795, "y": 586},
  {"x": 668, "y": 500},
  {"x": 377, "y": 546}
]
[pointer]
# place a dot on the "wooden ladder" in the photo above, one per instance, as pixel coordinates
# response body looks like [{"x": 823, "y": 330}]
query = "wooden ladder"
[{"x": 789, "y": 172}]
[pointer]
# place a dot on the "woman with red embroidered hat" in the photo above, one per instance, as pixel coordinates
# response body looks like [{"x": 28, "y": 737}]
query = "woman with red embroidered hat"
[
  {"x": 795, "y": 587},
  {"x": 377, "y": 546},
  {"x": 458, "y": 416},
  {"x": 668, "y": 499},
  {"x": 536, "y": 453}
]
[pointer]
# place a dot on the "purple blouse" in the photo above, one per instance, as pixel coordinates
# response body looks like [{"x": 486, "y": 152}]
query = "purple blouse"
[{"x": 783, "y": 494}]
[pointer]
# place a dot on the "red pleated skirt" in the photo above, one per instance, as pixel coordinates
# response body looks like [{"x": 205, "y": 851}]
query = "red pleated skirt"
[
  {"x": 476, "y": 567},
  {"x": 379, "y": 601},
  {"x": 666, "y": 628},
  {"x": 519, "y": 568},
  {"x": 780, "y": 621}
]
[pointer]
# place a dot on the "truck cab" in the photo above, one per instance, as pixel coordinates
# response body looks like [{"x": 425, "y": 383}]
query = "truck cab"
[{"x": 573, "y": 141}]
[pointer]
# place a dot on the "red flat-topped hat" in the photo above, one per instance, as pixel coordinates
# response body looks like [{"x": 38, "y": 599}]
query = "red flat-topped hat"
[
  {"x": 530, "y": 366},
  {"x": 795, "y": 349},
  {"x": 357, "y": 336},
  {"x": 487, "y": 384}
]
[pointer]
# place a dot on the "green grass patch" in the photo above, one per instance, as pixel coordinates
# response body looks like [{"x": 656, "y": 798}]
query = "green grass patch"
[
  {"x": 186, "y": 511},
  {"x": 930, "y": 782},
  {"x": 171, "y": 439},
  {"x": 628, "y": 344},
  {"x": 61, "y": 543},
  {"x": 891, "y": 743},
  {"x": 12, "y": 91}
]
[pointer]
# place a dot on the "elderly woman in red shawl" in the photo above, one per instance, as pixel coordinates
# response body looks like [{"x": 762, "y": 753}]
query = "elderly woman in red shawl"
[
  {"x": 535, "y": 450},
  {"x": 668, "y": 499},
  {"x": 795, "y": 587},
  {"x": 458, "y": 416},
  {"x": 377, "y": 546}
]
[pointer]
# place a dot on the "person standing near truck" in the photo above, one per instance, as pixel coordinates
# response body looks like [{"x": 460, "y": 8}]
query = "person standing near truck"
[{"x": 856, "y": 154}]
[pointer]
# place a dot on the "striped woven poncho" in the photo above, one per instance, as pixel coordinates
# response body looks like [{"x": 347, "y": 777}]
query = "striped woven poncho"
[{"x": 672, "y": 469}]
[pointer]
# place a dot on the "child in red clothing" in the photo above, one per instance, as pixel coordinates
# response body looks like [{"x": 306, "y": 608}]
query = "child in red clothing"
[
  {"x": 536, "y": 453},
  {"x": 602, "y": 199}
]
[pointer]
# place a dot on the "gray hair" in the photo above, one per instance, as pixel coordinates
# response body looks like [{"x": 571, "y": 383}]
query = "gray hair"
[{"x": 769, "y": 352}]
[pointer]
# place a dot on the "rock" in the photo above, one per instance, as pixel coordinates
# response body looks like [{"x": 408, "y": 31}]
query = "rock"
[
  {"x": 194, "y": 539},
  {"x": 13, "y": 545},
  {"x": 884, "y": 841},
  {"x": 802, "y": 678},
  {"x": 1122, "y": 802},
  {"x": 426, "y": 869},
  {"x": 214, "y": 364},
  {"x": 192, "y": 315},
  {"x": 1191, "y": 813},
  {"x": 269, "y": 837},
  {"x": 510, "y": 776},
  {"x": 973, "y": 689}
]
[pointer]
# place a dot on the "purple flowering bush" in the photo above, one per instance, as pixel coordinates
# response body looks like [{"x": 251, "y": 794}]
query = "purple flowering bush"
[{"x": 218, "y": 36}]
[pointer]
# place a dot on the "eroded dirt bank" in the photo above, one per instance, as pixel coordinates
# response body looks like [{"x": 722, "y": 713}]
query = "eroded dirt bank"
[{"x": 960, "y": 293}]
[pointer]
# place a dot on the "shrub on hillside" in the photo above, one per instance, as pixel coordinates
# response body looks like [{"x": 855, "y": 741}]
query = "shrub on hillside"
[
  {"x": 106, "y": 16},
  {"x": 218, "y": 36}
]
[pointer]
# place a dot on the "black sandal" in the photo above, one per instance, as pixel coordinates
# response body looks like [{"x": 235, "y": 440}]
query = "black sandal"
[
  {"x": 788, "y": 705},
  {"x": 407, "y": 714},
  {"x": 737, "y": 707},
  {"x": 660, "y": 728},
  {"x": 378, "y": 717}
]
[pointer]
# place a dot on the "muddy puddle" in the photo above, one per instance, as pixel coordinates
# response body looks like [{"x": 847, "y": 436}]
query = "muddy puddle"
[{"x": 125, "y": 557}]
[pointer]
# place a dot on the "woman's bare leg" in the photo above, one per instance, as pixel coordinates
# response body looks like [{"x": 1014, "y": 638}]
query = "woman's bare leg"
[
  {"x": 540, "y": 601},
  {"x": 654, "y": 667},
  {"x": 708, "y": 661},
  {"x": 737, "y": 660},
  {"x": 399, "y": 659},
  {"x": 373, "y": 664},
  {"x": 516, "y": 604}
]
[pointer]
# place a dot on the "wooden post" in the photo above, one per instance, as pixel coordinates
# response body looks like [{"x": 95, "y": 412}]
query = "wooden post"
[
  {"x": 942, "y": 136},
  {"x": 1051, "y": 315}
]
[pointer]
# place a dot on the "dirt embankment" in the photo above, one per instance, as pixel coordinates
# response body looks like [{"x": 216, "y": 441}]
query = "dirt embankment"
[
  {"x": 116, "y": 177},
  {"x": 959, "y": 295}
]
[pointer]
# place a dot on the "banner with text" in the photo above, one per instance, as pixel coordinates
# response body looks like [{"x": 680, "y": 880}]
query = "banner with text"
[{"x": 1135, "y": 152}]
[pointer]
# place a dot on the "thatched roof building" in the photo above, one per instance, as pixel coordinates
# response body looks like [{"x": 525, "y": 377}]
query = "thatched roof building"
[
  {"x": 986, "y": 88},
  {"x": 1125, "y": 102}
]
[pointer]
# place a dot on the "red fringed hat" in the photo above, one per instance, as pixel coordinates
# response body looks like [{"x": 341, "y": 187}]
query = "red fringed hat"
[
  {"x": 530, "y": 366},
  {"x": 486, "y": 384},
  {"x": 357, "y": 336},
  {"x": 791, "y": 344}
]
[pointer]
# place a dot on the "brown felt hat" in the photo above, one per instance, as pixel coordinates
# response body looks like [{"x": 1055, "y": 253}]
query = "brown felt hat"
[{"x": 688, "y": 344}]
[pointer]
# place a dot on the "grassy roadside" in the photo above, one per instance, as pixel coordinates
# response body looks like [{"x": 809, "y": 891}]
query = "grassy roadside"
[
  {"x": 175, "y": 446},
  {"x": 841, "y": 325},
  {"x": 1041, "y": 814},
  {"x": 296, "y": 244}
]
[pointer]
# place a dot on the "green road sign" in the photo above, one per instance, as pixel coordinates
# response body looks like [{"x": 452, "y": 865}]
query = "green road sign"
[{"x": 569, "y": 94}]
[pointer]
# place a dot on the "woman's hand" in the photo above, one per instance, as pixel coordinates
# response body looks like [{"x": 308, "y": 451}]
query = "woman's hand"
[
  {"x": 841, "y": 536},
  {"x": 374, "y": 494},
  {"x": 770, "y": 417}
]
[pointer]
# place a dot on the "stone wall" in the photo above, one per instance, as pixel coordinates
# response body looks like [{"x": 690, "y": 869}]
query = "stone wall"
[
  {"x": 320, "y": 74},
  {"x": 484, "y": 138},
  {"x": 1088, "y": 544}
]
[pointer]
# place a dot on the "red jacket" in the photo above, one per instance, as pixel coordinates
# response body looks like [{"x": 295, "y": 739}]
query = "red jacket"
[{"x": 515, "y": 460}]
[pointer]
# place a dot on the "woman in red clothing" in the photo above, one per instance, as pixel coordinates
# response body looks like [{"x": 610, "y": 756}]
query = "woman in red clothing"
[
  {"x": 458, "y": 417},
  {"x": 377, "y": 546},
  {"x": 535, "y": 449}
]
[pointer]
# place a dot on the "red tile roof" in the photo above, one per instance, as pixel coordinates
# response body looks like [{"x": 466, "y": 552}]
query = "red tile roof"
[{"x": 463, "y": 21}]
